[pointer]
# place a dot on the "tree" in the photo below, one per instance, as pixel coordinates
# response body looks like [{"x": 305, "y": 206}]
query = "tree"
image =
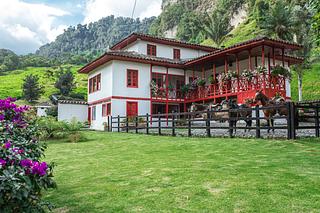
[
  {"x": 31, "y": 89},
  {"x": 302, "y": 35},
  {"x": 217, "y": 26},
  {"x": 65, "y": 82},
  {"x": 279, "y": 21}
]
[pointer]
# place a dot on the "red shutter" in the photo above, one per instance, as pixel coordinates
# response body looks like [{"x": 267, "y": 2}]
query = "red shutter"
[
  {"x": 108, "y": 108},
  {"x": 89, "y": 115},
  {"x": 132, "y": 78},
  {"x": 151, "y": 50},
  {"x": 132, "y": 109},
  {"x": 176, "y": 54}
]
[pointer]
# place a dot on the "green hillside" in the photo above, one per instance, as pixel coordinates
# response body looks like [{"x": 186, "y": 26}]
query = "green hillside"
[
  {"x": 11, "y": 81},
  {"x": 310, "y": 84}
]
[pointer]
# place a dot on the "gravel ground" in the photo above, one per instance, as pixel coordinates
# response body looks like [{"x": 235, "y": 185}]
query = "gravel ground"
[{"x": 278, "y": 133}]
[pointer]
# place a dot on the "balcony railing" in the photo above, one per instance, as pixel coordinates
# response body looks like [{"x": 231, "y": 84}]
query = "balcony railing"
[{"x": 225, "y": 88}]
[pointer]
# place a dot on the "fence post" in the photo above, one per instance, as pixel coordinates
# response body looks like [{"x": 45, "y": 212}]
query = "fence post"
[
  {"x": 258, "y": 135},
  {"x": 293, "y": 120},
  {"x": 317, "y": 121},
  {"x": 136, "y": 124},
  {"x": 173, "y": 124},
  {"x": 111, "y": 120},
  {"x": 147, "y": 120},
  {"x": 127, "y": 124},
  {"x": 118, "y": 123},
  {"x": 108, "y": 127},
  {"x": 289, "y": 131},
  {"x": 159, "y": 124},
  {"x": 230, "y": 124},
  {"x": 189, "y": 125},
  {"x": 208, "y": 123}
]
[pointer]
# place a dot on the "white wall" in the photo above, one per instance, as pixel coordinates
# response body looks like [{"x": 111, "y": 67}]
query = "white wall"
[
  {"x": 106, "y": 82},
  {"x": 67, "y": 112},
  {"x": 165, "y": 51},
  {"x": 41, "y": 111},
  {"x": 98, "y": 123}
]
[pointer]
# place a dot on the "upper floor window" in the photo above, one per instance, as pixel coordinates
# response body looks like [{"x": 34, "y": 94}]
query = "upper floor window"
[
  {"x": 132, "y": 78},
  {"x": 176, "y": 54},
  {"x": 95, "y": 83},
  {"x": 151, "y": 50}
]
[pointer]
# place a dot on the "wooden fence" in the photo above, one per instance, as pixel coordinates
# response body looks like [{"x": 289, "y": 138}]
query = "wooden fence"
[{"x": 299, "y": 116}]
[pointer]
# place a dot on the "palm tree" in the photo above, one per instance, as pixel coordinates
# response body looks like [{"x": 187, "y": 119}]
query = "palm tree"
[
  {"x": 217, "y": 26},
  {"x": 279, "y": 21}
]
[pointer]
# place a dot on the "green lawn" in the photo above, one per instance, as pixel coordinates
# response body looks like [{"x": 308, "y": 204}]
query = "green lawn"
[{"x": 114, "y": 172}]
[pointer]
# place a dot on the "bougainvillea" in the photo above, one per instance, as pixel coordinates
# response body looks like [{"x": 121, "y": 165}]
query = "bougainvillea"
[{"x": 22, "y": 174}]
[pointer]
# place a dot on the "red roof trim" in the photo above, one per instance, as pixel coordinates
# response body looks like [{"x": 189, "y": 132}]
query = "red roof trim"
[
  {"x": 134, "y": 36},
  {"x": 245, "y": 45}
]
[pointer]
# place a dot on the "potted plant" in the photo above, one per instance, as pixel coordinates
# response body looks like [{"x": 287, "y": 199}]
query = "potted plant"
[
  {"x": 212, "y": 80},
  {"x": 247, "y": 74},
  {"x": 201, "y": 82},
  {"x": 261, "y": 70},
  {"x": 279, "y": 70},
  {"x": 185, "y": 89},
  {"x": 154, "y": 88}
]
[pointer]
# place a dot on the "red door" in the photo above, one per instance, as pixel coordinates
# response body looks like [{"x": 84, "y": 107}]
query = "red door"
[
  {"x": 89, "y": 115},
  {"x": 132, "y": 108}
]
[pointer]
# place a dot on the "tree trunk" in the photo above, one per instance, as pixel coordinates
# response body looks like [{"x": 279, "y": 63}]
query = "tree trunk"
[{"x": 300, "y": 86}]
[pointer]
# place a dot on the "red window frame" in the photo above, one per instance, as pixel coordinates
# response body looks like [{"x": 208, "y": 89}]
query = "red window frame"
[
  {"x": 89, "y": 115},
  {"x": 132, "y": 108},
  {"x": 176, "y": 54},
  {"x": 93, "y": 113},
  {"x": 95, "y": 83},
  {"x": 106, "y": 109},
  {"x": 132, "y": 78},
  {"x": 151, "y": 49}
]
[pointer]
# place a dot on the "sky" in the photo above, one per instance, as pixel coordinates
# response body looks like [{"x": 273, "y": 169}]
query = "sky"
[{"x": 25, "y": 25}]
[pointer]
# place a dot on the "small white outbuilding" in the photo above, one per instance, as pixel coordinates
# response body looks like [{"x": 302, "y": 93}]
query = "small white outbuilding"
[
  {"x": 42, "y": 108},
  {"x": 69, "y": 110}
]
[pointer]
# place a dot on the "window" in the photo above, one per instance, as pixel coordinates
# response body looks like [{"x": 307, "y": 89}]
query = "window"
[
  {"x": 89, "y": 115},
  {"x": 132, "y": 78},
  {"x": 151, "y": 50},
  {"x": 176, "y": 53},
  {"x": 104, "y": 108},
  {"x": 108, "y": 108},
  {"x": 93, "y": 113},
  {"x": 95, "y": 83},
  {"x": 132, "y": 108}
]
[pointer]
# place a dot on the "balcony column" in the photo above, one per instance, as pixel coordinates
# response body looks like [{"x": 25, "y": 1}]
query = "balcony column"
[
  {"x": 151, "y": 95},
  {"x": 282, "y": 57},
  {"x": 249, "y": 61},
  {"x": 214, "y": 70},
  {"x": 238, "y": 71},
  {"x": 263, "y": 65},
  {"x": 274, "y": 57},
  {"x": 167, "y": 94},
  {"x": 225, "y": 64}
]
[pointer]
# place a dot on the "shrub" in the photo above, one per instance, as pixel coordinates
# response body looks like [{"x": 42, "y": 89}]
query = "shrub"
[{"x": 22, "y": 175}]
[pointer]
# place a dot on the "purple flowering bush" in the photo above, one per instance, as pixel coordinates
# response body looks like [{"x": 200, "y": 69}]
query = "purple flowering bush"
[{"x": 22, "y": 174}]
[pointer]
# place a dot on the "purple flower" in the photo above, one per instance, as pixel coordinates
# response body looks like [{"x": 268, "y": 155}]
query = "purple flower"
[
  {"x": 1, "y": 117},
  {"x": 2, "y": 162},
  {"x": 26, "y": 163},
  {"x": 7, "y": 145},
  {"x": 39, "y": 168}
]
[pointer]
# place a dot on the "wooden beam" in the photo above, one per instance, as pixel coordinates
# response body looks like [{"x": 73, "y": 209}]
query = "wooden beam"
[
  {"x": 249, "y": 61},
  {"x": 273, "y": 56},
  {"x": 282, "y": 57},
  {"x": 262, "y": 56}
]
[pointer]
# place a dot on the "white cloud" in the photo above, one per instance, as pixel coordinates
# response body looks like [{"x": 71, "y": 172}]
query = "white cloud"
[
  {"x": 97, "y": 9},
  {"x": 26, "y": 26}
]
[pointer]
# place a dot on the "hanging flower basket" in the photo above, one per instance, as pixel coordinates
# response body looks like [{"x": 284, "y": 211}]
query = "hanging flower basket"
[{"x": 279, "y": 70}]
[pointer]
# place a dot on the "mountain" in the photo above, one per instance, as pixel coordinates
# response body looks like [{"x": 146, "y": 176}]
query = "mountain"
[{"x": 91, "y": 40}]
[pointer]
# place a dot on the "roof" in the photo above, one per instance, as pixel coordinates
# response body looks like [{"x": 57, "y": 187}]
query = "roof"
[
  {"x": 145, "y": 37},
  {"x": 72, "y": 102},
  {"x": 44, "y": 104},
  {"x": 141, "y": 58},
  {"x": 131, "y": 56},
  {"x": 249, "y": 43}
]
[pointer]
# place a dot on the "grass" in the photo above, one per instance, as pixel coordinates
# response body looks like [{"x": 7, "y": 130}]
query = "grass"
[
  {"x": 11, "y": 82},
  {"x": 114, "y": 172}
]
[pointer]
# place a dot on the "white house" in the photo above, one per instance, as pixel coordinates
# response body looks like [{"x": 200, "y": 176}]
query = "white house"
[
  {"x": 42, "y": 109},
  {"x": 146, "y": 74}
]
